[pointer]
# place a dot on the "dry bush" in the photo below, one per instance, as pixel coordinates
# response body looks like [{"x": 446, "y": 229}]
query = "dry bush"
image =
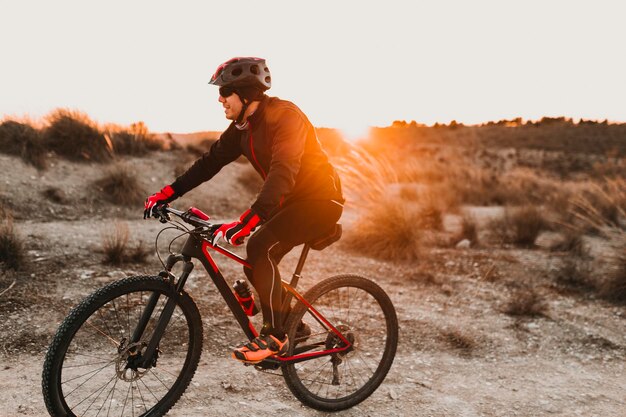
[
  {"x": 388, "y": 230},
  {"x": 55, "y": 194},
  {"x": 12, "y": 253},
  {"x": 75, "y": 136},
  {"x": 116, "y": 248},
  {"x": 613, "y": 286},
  {"x": 23, "y": 140},
  {"x": 365, "y": 178},
  {"x": 601, "y": 205},
  {"x": 135, "y": 140},
  {"x": 525, "y": 302},
  {"x": 575, "y": 273},
  {"x": 572, "y": 241},
  {"x": 250, "y": 179},
  {"x": 469, "y": 230},
  {"x": 120, "y": 186},
  {"x": 459, "y": 341},
  {"x": 520, "y": 225}
]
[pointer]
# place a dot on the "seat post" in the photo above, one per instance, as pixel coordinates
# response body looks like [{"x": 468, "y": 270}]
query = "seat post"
[{"x": 300, "y": 266}]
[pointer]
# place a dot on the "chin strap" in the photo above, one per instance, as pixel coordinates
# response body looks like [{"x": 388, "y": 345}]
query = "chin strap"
[{"x": 239, "y": 121}]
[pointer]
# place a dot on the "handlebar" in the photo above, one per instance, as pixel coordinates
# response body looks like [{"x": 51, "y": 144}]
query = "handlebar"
[{"x": 190, "y": 216}]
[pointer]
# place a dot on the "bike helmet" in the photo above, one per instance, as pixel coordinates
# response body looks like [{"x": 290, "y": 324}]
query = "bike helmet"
[{"x": 243, "y": 72}]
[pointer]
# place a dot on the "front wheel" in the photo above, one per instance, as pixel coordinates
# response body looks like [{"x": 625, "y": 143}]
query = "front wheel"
[
  {"x": 364, "y": 314},
  {"x": 92, "y": 366}
]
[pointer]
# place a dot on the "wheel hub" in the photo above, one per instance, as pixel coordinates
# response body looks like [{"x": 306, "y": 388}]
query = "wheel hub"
[
  {"x": 128, "y": 361},
  {"x": 333, "y": 341}
]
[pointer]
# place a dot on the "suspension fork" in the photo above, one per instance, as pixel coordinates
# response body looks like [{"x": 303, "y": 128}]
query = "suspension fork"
[{"x": 147, "y": 358}]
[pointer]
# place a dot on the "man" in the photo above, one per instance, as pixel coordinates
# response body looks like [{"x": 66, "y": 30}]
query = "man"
[{"x": 300, "y": 198}]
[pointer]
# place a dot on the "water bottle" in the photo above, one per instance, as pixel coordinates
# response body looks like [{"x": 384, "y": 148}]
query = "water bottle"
[{"x": 245, "y": 297}]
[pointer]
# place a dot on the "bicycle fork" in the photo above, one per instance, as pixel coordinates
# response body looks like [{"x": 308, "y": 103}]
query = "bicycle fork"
[{"x": 148, "y": 358}]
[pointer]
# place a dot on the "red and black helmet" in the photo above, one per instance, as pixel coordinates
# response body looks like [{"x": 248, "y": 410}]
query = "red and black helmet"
[{"x": 243, "y": 72}]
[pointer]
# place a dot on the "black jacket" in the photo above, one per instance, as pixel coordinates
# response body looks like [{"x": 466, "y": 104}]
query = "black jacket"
[{"x": 281, "y": 145}]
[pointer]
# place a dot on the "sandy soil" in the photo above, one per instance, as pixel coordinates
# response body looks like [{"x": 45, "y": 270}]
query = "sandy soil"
[{"x": 459, "y": 354}]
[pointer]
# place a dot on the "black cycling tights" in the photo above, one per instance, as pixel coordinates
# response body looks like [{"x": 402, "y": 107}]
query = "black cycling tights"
[{"x": 296, "y": 224}]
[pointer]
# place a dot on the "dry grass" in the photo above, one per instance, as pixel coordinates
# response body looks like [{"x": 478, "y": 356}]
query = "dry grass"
[
  {"x": 23, "y": 140},
  {"x": 135, "y": 140},
  {"x": 520, "y": 225},
  {"x": 388, "y": 230},
  {"x": 613, "y": 286},
  {"x": 121, "y": 187},
  {"x": 469, "y": 230},
  {"x": 575, "y": 273},
  {"x": 12, "y": 253},
  {"x": 55, "y": 194},
  {"x": 601, "y": 205},
  {"x": 527, "y": 302},
  {"x": 75, "y": 136},
  {"x": 116, "y": 248},
  {"x": 458, "y": 340}
]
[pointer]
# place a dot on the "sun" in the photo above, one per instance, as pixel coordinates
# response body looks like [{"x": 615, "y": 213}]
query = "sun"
[{"x": 354, "y": 132}]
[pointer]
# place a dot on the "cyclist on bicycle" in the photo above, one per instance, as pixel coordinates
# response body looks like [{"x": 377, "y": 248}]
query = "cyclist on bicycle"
[{"x": 300, "y": 198}]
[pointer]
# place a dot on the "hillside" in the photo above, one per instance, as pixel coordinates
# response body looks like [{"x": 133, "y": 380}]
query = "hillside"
[{"x": 492, "y": 322}]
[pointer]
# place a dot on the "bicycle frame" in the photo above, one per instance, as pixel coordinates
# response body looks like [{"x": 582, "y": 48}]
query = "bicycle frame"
[{"x": 199, "y": 248}]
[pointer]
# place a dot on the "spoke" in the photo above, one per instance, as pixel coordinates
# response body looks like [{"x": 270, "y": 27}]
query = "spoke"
[
  {"x": 159, "y": 379},
  {"x": 86, "y": 364},
  {"x": 125, "y": 400},
  {"x": 161, "y": 369},
  {"x": 112, "y": 394},
  {"x": 148, "y": 388},
  {"x": 128, "y": 315},
  {"x": 96, "y": 372},
  {"x": 104, "y": 322},
  {"x": 104, "y": 334},
  {"x": 84, "y": 354},
  {"x": 96, "y": 397},
  {"x": 141, "y": 396},
  {"x": 117, "y": 317}
]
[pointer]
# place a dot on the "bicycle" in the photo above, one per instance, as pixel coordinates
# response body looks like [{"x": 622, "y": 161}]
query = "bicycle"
[{"x": 133, "y": 346}]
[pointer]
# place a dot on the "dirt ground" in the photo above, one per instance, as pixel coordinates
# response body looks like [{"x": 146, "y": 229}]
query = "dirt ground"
[{"x": 459, "y": 354}]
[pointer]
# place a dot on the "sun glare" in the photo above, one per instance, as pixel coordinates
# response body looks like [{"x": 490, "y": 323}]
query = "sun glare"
[{"x": 355, "y": 132}]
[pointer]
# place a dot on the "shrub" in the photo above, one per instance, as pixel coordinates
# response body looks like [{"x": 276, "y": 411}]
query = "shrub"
[
  {"x": 116, "y": 247},
  {"x": 55, "y": 195},
  {"x": 458, "y": 340},
  {"x": 121, "y": 187},
  {"x": 572, "y": 242},
  {"x": 23, "y": 140},
  {"x": 520, "y": 226},
  {"x": 388, "y": 230},
  {"x": 134, "y": 141},
  {"x": 613, "y": 287},
  {"x": 525, "y": 302},
  {"x": 575, "y": 273},
  {"x": 11, "y": 246},
  {"x": 469, "y": 230},
  {"x": 74, "y": 136}
]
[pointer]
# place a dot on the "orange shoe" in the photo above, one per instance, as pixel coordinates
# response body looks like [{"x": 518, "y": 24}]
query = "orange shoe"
[{"x": 261, "y": 348}]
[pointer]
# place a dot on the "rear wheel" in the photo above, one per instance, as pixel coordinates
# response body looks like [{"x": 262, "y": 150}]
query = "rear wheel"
[
  {"x": 91, "y": 366},
  {"x": 364, "y": 314}
]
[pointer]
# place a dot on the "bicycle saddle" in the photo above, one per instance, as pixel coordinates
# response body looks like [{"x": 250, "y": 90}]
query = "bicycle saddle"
[{"x": 327, "y": 238}]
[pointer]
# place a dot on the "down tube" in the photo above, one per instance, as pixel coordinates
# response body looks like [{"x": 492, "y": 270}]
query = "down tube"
[{"x": 199, "y": 249}]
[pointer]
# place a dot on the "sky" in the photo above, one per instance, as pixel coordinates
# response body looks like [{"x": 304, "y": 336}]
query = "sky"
[{"x": 347, "y": 64}]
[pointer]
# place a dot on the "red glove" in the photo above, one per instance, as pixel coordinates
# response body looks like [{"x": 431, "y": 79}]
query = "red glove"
[
  {"x": 164, "y": 196},
  {"x": 235, "y": 232}
]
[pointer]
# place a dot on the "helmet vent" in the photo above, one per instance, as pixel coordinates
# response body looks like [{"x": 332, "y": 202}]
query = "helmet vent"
[
  {"x": 266, "y": 69},
  {"x": 268, "y": 79},
  {"x": 254, "y": 69},
  {"x": 237, "y": 72}
]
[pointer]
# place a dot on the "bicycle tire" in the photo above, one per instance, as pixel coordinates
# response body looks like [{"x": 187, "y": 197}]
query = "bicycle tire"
[
  {"x": 73, "y": 343},
  {"x": 371, "y": 324}
]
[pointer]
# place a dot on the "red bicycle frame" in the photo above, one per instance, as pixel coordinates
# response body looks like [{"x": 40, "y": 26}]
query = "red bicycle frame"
[{"x": 199, "y": 248}]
